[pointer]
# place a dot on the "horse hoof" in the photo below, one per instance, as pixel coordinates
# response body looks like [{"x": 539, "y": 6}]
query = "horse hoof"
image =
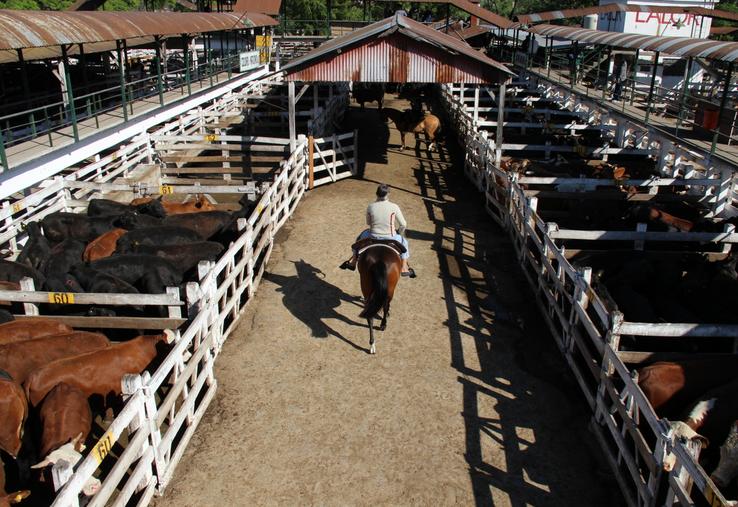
[
  {"x": 383, "y": 327},
  {"x": 372, "y": 350}
]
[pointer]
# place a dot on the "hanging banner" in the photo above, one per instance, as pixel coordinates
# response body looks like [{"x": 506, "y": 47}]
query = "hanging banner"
[{"x": 264, "y": 45}]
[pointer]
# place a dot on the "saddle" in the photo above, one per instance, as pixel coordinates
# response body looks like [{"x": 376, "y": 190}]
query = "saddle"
[{"x": 363, "y": 244}]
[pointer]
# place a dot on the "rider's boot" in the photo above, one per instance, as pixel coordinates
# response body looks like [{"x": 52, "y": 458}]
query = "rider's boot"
[
  {"x": 349, "y": 264},
  {"x": 407, "y": 270}
]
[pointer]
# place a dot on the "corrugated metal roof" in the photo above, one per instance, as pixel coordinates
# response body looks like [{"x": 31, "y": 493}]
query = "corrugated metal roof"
[
  {"x": 262, "y": 6},
  {"x": 678, "y": 46},
  {"x": 40, "y": 34},
  {"x": 617, "y": 7},
  {"x": 33, "y": 29},
  {"x": 470, "y": 32},
  {"x": 470, "y": 8},
  {"x": 361, "y": 56},
  {"x": 722, "y": 30}
]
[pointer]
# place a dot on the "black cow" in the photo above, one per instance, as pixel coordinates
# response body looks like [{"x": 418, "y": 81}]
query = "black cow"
[
  {"x": 163, "y": 235},
  {"x": 146, "y": 272},
  {"x": 63, "y": 256},
  {"x": 206, "y": 223},
  {"x": 37, "y": 248},
  {"x": 6, "y": 316},
  {"x": 97, "y": 281},
  {"x": 184, "y": 257},
  {"x": 134, "y": 220},
  {"x": 11, "y": 271},
  {"x": 61, "y": 225},
  {"x": 106, "y": 207}
]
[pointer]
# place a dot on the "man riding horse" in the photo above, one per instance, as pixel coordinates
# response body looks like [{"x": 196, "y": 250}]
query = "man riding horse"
[{"x": 386, "y": 222}]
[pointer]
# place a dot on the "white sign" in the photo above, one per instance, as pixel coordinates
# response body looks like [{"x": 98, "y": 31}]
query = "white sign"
[
  {"x": 659, "y": 23},
  {"x": 248, "y": 60}
]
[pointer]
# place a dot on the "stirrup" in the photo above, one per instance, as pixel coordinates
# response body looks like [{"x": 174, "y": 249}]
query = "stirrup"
[
  {"x": 347, "y": 265},
  {"x": 409, "y": 273}
]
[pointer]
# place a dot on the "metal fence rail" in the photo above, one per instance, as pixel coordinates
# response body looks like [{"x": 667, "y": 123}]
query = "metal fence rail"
[{"x": 635, "y": 441}]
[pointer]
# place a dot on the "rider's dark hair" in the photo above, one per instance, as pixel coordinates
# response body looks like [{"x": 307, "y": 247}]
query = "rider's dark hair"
[{"x": 383, "y": 190}]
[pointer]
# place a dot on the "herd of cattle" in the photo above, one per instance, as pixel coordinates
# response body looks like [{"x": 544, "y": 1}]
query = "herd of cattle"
[
  {"x": 51, "y": 379},
  {"x": 54, "y": 380},
  {"x": 141, "y": 247},
  {"x": 698, "y": 393}
]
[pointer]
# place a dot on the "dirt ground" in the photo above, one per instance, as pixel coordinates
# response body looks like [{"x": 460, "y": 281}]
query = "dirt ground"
[{"x": 466, "y": 402}]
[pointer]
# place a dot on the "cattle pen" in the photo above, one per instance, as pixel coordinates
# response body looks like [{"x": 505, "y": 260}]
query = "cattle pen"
[{"x": 508, "y": 373}]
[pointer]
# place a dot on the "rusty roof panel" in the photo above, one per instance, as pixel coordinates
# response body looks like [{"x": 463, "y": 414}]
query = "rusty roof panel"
[
  {"x": 395, "y": 58},
  {"x": 262, "y": 6},
  {"x": 678, "y": 46},
  {"x": 722, "y": 30},
  {"x": 33, "y": 29},
  {"x": 367, "y": 54},
  {"x": 470, "y": 32},
  {"x": 470, "y": 8}
]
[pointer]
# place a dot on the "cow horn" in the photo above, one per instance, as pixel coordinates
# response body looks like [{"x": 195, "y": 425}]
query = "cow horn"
[
  {"x": 19, "y": 496},
  {"x": 169, "y": 336}
]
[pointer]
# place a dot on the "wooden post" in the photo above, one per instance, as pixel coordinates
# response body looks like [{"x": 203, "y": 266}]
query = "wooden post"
[
  {"x": 291, "y": 115},
  {"x": 311, "y": 163},
  {"x": 500, "y": 121},
  {"x": 653, "y": 85},
  {"x": 476, "y": 104}
]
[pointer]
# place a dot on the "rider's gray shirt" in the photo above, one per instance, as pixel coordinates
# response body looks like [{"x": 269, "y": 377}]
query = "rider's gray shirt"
[{"x": 384, "y": 218}]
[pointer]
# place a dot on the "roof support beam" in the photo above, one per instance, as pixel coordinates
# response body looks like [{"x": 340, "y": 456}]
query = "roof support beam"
[
  {"x": 70, "y": 94},
  {"x": 653, "y": 85},
  {"x": 122, "y": 75},
  {"x": 723, "y": 102}
]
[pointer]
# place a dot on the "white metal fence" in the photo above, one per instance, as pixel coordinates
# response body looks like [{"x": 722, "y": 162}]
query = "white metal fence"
[
  {"x": 632, "y": 437},
  {"x": 135, "y": 457}
]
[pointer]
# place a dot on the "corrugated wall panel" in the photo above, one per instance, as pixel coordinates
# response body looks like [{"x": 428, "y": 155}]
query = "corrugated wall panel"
[{"x": 398, "y": 59}]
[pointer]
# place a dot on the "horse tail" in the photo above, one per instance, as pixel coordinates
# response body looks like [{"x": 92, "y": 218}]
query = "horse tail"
[{"x": 378, "y": 273}]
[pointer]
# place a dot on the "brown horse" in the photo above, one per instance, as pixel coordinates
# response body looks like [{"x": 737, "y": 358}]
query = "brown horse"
[
  {"x": 379, "y": 268},
  {"x": 408, "y": 122}
]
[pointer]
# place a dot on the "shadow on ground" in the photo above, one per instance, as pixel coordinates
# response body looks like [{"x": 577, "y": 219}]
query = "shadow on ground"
[
  {"x": 309, "y": 285},
  {"x": 506, "y": 357}
]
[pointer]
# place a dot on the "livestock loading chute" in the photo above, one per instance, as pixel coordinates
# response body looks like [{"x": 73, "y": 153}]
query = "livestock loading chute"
[
  {"x": 132, "y": 458},
  {"x": 652, "y": 467}
]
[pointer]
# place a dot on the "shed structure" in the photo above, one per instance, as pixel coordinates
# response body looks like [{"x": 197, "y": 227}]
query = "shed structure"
[{"x": 396, "y": 50}]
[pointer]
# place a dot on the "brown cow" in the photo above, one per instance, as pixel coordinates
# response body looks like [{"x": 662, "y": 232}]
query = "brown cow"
[
  {"x": 177, "y": 208},
  {"x": 31, "y": 328},
  {"x": 21, "y": 358},
  {"x": 102, "y": 246},
  {"x": 670, "y": 220},
  {"x": 98, "y": 372},
  {"x": 65, "y": 417},
  {"x": 671, "y": 385},
  {"x": 9, "y": 498},
  {"x": 13, "y": 414}
]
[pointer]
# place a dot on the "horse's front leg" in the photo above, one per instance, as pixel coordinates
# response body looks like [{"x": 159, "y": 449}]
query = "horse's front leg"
[
  {"x": 402, "y": 138},
  {"x": 372, "y": 349}
]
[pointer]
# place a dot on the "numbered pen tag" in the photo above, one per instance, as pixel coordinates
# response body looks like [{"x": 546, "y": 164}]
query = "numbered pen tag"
[
  {"x": 17, "y": 206},
  {"x": 166, "y": 189},
  {"x": 103, "y": 447},
  {"x": 211, "y": 138},
  {"x": 61, "y": 298}
]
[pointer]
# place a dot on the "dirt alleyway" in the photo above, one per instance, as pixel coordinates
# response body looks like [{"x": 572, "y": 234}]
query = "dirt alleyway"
[{"x": 467, "y": 400}]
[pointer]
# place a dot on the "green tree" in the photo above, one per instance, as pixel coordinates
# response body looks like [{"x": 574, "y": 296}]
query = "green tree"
[{"x": 30, "y": 5}]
